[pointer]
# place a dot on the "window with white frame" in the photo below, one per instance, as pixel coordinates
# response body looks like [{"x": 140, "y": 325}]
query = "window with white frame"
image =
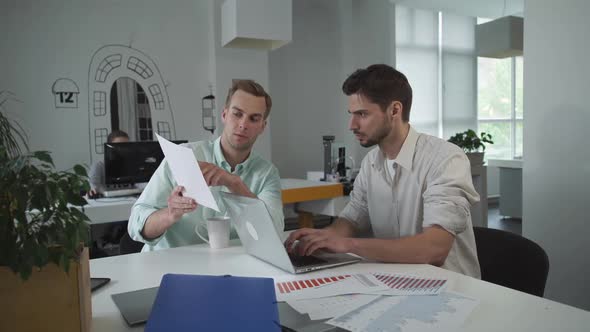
[
  {"x": 500, "y": 105},
  {"x": 436, "y": 51}
]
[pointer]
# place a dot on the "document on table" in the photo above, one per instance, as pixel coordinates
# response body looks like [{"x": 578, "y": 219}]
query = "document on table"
[
  {"x": 187, "y": 173},
  {"x": 305, "y": 287},
  {"x": 330, "y": 307},
  {"x": 404, "y": 284},
  {"x": 446, "y": 311}
]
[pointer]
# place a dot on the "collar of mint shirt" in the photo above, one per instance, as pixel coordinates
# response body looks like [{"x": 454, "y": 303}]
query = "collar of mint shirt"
[
  {"x": 220, "y": 159},
  {"x": 405, "y": 157}
]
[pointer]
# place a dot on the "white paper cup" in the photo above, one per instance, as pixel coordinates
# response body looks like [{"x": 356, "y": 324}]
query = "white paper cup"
[{"x": 218, "y": 232}]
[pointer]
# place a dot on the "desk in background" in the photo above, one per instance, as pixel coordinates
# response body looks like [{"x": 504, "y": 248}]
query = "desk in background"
[
  {"x": 327, "y": 198},
  {"x": 309, "y": 197},
  {"x": 295, "y": 191},
  {"x": 303, "y": 193},
  {"x": 510, "y": 186},
  {"x": 500, "y": 308},
  {"x": 108, "y": 210},
  {"x": 479, "y": 210}
]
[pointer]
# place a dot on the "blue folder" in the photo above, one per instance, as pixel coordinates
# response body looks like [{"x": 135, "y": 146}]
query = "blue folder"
[{"x": 214, "y": 303}]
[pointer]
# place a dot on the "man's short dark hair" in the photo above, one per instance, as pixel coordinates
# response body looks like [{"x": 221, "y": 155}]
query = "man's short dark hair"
[
  {"x": 116, "y": 134},
  {"x": 251, "y": 87},
  {"x": 381, "y": 84}
]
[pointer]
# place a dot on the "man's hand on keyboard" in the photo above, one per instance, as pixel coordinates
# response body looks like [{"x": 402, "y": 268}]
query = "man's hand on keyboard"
[
  {"x": 310, "y": 240},
  {"x": 93, "y": 194}
]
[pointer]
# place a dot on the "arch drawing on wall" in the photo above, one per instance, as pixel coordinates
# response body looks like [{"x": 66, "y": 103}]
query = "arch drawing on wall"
[{"x": 109, "y": 63}]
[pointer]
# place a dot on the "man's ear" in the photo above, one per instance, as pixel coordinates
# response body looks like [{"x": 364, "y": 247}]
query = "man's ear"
[
  {"x": 264, "y": 125},
  {"x": 223, "y": 115},
  {"x": 395, "y": 109}
]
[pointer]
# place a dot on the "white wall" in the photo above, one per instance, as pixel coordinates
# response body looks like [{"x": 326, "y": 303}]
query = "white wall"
[
  {"x": 556, "y": 174},
  {"x": 304, "y": 76},
  {"x": 233, "y": 63},
  {"x": 45, "y": 40},
  {"x": 331, "y": 39}
]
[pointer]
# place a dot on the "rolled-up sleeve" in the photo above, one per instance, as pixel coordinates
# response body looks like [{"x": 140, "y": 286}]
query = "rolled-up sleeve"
[
  {"x": 271, "y": 196},
  {"x": 153, "y": 198},
  {"x": 357, "y": 209},
  {"x": 450, "y": 194}
]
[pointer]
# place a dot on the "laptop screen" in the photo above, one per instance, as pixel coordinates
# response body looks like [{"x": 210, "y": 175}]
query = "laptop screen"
[{"x": 256, "y": 230}]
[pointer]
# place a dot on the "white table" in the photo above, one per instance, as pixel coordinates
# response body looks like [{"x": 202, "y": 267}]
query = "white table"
[{"x": 500, "y": 309}]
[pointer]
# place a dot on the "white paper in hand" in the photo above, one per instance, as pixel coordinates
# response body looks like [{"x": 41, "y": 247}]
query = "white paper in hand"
[{"x": 187, "y": 173}]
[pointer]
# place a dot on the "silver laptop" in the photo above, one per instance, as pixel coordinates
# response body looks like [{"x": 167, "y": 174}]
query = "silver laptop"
[{"x": 260, "y": 239}]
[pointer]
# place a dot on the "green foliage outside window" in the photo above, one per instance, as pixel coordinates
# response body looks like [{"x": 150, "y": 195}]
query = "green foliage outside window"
[{"x": 494, "y": 88}]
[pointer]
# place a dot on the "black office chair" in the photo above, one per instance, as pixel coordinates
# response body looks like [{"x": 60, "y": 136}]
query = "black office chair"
[
  {"x": 510, "y": 260},
  {"x": 128, "y": 245}
]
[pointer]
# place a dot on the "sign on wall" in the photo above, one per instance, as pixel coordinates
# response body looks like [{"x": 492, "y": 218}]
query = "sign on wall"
[{"x": 66, "y": 93}]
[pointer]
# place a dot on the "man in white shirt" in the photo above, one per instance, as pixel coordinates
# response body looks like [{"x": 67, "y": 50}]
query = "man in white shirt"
[{"x": 413, "y": 192}]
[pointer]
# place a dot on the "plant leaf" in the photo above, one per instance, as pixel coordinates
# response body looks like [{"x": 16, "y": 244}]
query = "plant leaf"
[
  {"x": 80, "y": 170},
  {"x": 44, "y": 156}
]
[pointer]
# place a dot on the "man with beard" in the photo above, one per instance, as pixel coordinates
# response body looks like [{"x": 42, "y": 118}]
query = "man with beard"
[
  {"x": 163, "y": 217},
  {"x": 413, "y": 192}
]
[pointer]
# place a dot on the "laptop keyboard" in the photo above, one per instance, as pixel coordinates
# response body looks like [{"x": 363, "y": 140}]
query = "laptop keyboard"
[{"x": 299, "y": 261}]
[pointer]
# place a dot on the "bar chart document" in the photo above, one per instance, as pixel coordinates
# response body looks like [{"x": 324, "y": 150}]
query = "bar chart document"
[
  {"x": 444, "y": 312},
  {"x": 403, "y": 284},
  {"x": 299, "y": 288}
]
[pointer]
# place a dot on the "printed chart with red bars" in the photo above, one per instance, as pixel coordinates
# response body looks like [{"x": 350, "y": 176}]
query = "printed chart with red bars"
[
  {"x": 295, "y": 285},
  {"x": 403, "y": 284},
  {"x": 296, "y": 288}
]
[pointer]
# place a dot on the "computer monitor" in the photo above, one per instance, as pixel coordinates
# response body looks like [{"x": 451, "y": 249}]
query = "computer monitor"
[{"x": 132, "y": 162}]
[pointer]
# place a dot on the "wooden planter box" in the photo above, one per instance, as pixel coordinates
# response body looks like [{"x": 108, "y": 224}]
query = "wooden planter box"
[{"x": 51, "y": 300}]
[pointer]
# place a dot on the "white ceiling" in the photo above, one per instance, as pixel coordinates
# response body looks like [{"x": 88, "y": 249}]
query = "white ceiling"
[{"x": 479, "y": 8}]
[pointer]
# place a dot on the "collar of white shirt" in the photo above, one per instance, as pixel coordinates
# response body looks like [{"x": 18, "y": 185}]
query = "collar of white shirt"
[{"x": 405, "y": 157}]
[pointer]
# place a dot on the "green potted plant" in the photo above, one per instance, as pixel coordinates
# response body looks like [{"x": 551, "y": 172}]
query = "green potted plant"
[
  {"x": 44, "y": 273},
  {"x": 473, "y": 145}
]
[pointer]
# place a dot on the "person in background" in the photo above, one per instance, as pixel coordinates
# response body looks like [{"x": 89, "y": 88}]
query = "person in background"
[
  {"x": 163, "y": 217},
  {"x": 96, "y": 174},
  {"x": 413, "y": 192}
]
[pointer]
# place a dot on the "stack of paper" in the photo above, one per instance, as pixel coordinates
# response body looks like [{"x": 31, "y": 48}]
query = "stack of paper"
[{"x": 376, "y": 301}]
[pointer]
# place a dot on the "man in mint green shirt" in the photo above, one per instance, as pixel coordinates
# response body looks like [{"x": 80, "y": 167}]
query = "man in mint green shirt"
[{"x": 163, "y": 218}]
